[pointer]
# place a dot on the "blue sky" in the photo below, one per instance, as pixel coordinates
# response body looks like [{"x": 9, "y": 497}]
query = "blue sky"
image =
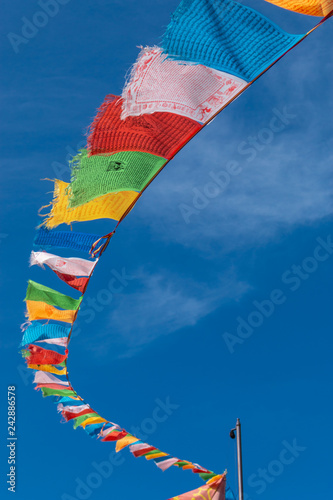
[{"x": 168, "y": 334}]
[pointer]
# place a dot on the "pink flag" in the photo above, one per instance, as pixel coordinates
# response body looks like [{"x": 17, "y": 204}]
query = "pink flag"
[
  {"x": 191, "y": 90},
  {"x": 47, "y": 378},
  {"x": 139, "y": 446},
  {"x": 165, "y": 464},
  {"x": 72, "y": 409},
  {"x": 72, "y": 266},
  {"x": 107, "y": 431},
  {"x": 60, "y": 341},
  {"x": 51, "y": 386},
  {"x": 213, "y": 491}
]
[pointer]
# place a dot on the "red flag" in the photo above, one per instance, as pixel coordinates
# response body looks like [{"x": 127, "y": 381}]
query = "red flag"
[
  {"x": 40, "y": 356},
  {"x": 77, "y": 283},
  {"x": 161, "y": 134},
  {"x": 115, "y": 435},
  {"x": 68, "y": 415},
  {"x": 144, "y": 451}
]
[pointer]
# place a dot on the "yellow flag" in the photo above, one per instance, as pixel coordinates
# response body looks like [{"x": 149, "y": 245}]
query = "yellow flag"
[
  {"x": 48, "y": 368},
  {"x": 93, "y": 420},
  {"x": 109, "y": 206},
  {"x": 41, "y": 310},
  {"x": 125, "y": 441},
  {"x": 156, "y": 455}
]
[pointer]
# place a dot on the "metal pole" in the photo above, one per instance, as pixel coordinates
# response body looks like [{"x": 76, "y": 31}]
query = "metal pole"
[
  {"x": 239, "y": 456},
  {"x": 239, "y": 459}
]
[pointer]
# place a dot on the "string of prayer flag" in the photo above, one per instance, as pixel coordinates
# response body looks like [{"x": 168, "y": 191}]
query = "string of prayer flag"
[{"x": 211, "y": 52}]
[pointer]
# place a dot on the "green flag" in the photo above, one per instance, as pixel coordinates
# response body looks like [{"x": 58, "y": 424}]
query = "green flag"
[
  {"x": 41, "y": 293},
  {"x": 94, "y": 176}
]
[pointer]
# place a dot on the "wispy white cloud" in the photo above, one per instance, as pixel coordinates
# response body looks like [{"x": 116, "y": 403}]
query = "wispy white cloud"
[
  {"x": 288, "y": 183},
  {"x": 164, "y": 303}
]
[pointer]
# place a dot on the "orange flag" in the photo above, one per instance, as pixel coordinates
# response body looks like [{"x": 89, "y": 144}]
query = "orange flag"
[
  {"x": 309, "y": 7},
  {"x": 214, "y": 490}
]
